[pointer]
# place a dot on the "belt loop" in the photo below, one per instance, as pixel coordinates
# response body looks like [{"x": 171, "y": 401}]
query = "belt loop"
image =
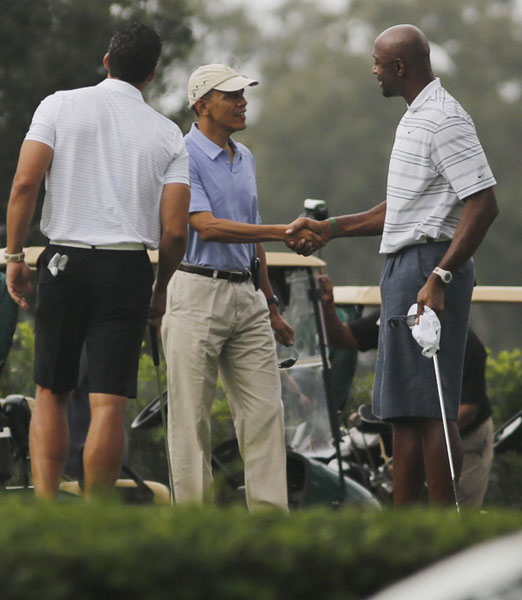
[{"x": 214, "y": 274}]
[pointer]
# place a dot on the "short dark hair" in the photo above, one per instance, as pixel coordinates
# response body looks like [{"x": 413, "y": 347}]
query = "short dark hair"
[{"x": 134, "y": 51}]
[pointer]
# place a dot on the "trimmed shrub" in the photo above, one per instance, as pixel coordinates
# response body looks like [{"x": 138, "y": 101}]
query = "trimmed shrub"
[{"x": 84, "y": 551}]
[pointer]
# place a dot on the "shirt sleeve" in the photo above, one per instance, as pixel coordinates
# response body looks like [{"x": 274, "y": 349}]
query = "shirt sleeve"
[
  {"x": 178, "y": 168},
  {"x": 199, "y": 200},
  {"x": 458, "y": 156},
  {"x": 43, "y": 125}
]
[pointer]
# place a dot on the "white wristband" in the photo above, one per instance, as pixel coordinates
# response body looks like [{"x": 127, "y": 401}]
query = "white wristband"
[{"x": 18, "y": 257}]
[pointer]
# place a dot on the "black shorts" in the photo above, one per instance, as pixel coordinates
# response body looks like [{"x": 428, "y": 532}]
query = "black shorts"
[{"x": 101, "y": 298}]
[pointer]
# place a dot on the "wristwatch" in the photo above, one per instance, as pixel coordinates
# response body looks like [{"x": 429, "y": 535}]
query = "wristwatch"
[
  {"x": 18, "y": 257},
  {"x": 446, "y": 276},
  {"x": 272, "y": 300}
]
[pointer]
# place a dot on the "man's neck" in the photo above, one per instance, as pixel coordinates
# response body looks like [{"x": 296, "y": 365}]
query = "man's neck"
[
  {"x": 139, "y": 86},
  {"x": 218, "y": 135},
  {"x": 416, "y": 87}
]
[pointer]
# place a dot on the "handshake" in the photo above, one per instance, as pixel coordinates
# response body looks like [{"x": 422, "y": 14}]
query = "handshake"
[{"x": 305, "y": 236}]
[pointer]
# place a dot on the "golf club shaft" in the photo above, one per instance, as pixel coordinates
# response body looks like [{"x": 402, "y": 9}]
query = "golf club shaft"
[
  {"x": 327, "y": 378},
  {"x": 446, "y": 432},
  {"x": 156, "y": 361}
]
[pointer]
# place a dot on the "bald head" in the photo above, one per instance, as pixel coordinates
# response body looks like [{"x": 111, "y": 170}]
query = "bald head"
[
  {"x": 408, "y": 43},
  {"x": 402, "y": 61}
]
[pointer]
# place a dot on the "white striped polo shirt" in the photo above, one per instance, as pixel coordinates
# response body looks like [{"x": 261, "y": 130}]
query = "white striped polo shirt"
[
  {"x": 436, "y": 162},
  {"x": 112, "y": 156}
]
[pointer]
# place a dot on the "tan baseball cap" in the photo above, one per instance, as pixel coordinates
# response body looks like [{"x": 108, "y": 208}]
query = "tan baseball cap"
[{"x": 215, "y": 77}]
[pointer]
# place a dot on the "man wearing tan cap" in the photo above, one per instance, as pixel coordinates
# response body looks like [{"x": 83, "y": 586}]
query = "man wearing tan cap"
[{"x": 221, "y": 311}]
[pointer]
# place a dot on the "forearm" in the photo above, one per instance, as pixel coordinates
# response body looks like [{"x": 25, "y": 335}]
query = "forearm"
[
  {"x": 478, "y": 214},
  {"x": 20, "y": 213},
  {"x": 264, "y": 281},
  {"x": 467, "y": 414},
  {"x": 235, "y": 232},
  {"x": 33, "y": 162},
  {"x": 338, "y": 333},
  {"x": 370, "y": 222},
  {"x": 170, "y": 253},
  {"x": 173, "y": 242}
]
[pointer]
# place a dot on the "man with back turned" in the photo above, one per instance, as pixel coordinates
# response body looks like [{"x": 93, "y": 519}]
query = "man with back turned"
[{"x": 116, "y": 185}]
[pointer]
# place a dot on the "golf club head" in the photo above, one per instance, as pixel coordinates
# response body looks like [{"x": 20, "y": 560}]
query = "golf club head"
[{"x": 315, "y": 209}]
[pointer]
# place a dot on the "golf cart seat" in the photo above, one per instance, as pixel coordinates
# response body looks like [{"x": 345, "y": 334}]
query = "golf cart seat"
[
  {"x": 16, "y": 413},
  {"x": 509, "y": 436},
  {"x": 131, "y": 491}
]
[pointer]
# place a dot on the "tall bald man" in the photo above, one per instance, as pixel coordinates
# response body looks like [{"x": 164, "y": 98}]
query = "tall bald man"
[{"x": 439, "y": 205}]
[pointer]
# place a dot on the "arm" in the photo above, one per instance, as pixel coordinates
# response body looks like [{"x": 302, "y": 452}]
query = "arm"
[
  {"x": 478, "y": 214},
  {"x": 467, "y": 414},
  {"x": 370, "y": 222},
  {"x": 35, "y": 158},
  {"x": 226, "y": 231},
  {"x": 284, "y": 334},
  {"x": 339, "y": 334},
  {"x": 174, "y": 219},
  {"x": 212, "y": 229}
]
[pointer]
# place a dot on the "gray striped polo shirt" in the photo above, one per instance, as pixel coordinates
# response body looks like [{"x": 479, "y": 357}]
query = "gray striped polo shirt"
[{"x": 436, "y": 162}]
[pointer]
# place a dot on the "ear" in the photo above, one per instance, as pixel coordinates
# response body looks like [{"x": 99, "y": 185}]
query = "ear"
[
  {"x": 400, "y": 67},
  {"x": 106, "y": 62},
  {"x": 201, "y": 107}
]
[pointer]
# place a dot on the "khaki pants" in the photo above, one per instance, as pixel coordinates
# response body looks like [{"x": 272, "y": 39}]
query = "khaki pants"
[
  {"x": 476, "y": 464},
  {"x": 210, "y": 325}
]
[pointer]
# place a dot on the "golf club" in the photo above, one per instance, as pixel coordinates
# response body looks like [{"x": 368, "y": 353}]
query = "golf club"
[
  {"x": 430, "y": 348},
  {"x": 289, "y": 362},
  {"x": 156, "y": 361},
  {"x": 446, "y": 433}
]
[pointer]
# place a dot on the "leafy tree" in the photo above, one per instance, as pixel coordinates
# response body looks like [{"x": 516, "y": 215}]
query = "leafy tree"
[{"x": 59, "y": 44}]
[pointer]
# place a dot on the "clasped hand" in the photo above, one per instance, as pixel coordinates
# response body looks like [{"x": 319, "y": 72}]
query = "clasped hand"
[{"x": 305, "y": 236}]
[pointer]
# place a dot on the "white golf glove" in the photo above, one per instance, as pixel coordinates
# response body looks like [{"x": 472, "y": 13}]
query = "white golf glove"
[{"x": 427, "y": 332}]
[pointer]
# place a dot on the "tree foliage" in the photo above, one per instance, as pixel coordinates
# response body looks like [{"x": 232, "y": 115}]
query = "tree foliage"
[{"x": 59, "y": 44}]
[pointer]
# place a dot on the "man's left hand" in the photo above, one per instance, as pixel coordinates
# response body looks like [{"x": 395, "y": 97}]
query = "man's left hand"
[
  {"x": 284, "y": 334},
  {"x": 432, "y": 294},
  {"x": 18, "y": 281}
]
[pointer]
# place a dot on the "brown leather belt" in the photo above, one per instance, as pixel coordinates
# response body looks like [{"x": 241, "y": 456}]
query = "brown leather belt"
[{"x": 233, "y": 276}]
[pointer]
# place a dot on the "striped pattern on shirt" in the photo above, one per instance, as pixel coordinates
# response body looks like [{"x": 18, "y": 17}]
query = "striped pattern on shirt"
[{"x": 436, "y": 162}]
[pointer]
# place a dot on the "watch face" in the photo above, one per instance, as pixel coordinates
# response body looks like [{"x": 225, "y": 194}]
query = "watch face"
[{"x": 446, "y": 276}]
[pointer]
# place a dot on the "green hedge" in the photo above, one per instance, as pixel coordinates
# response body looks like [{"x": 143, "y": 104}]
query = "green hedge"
[{"x": 84, "y": 551}]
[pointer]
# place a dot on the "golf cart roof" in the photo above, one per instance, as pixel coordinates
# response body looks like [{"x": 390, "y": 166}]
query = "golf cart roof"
[
  {"x": 343, "y": 294},
  {"x": 370, "y": 294},
  {"x": 274, "y": 259},
  {"x": 291, "y": 259}
]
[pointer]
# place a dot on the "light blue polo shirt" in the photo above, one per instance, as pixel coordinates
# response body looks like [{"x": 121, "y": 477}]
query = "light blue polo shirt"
[{"x": 228, "y": 190}]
